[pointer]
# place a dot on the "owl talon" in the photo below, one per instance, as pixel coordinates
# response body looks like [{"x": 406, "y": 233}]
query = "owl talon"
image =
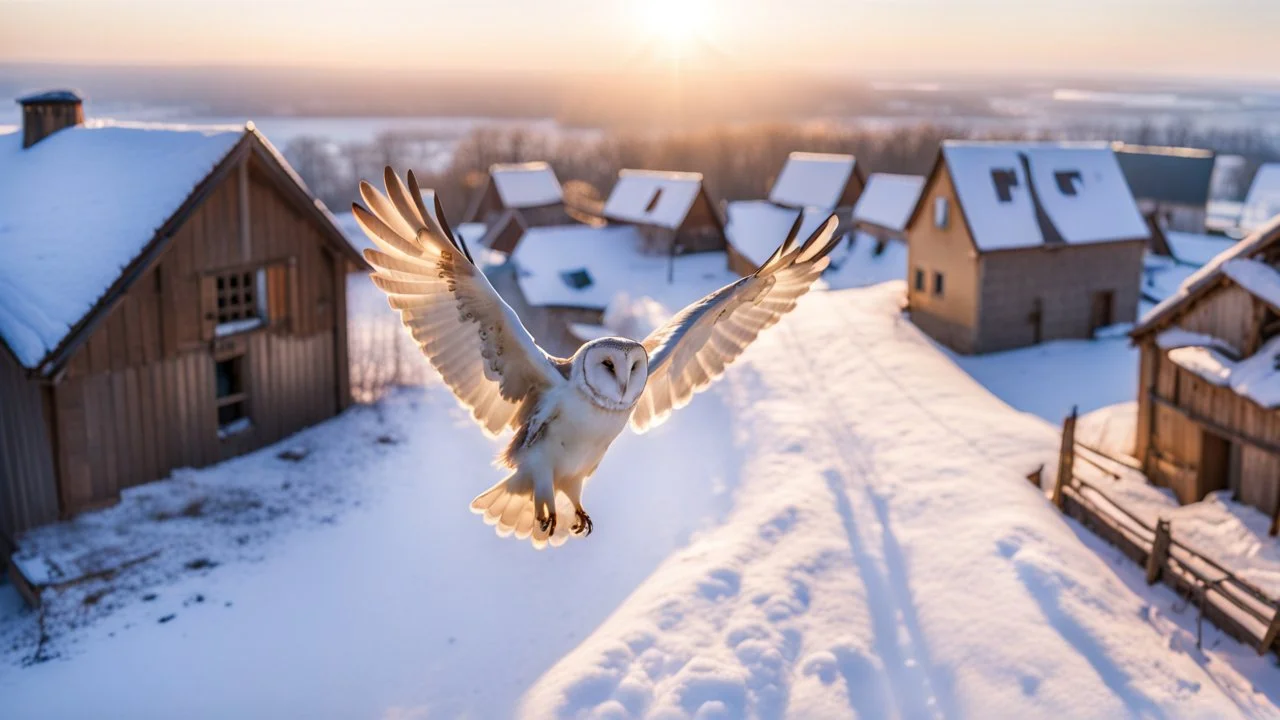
[
  {"x": 547, "y": 523},
  {"x": 584, "y": 525}
]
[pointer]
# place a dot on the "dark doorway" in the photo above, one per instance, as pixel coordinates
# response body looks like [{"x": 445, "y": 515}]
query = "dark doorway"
[
  {"x": 1102, "y": 312},
  {"x": 1216, "y": 456}
]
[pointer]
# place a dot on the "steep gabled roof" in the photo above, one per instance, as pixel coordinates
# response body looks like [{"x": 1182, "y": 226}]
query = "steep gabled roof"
[
  {"x": 1167, "y": 174},
  {"x": 582, "y": 266},
  {"x": 526, "y": 185},
  {"x": 813, "y": 180},
  {"x": 887, "y": 200},
  {"x": 1020, "y": 195},
  {"x": 85, "y": 210},
  {"x": 653, "y": 197},
  {"x": 1263, "y": 200},
  {"x": 756, "y": 228},
  {"x": 1225, "y": 265}
]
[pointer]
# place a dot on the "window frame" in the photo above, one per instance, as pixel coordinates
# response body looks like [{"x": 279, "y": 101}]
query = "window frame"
[
  {"x": 939, "y": 284},
  {"x": 919, "y": 283},
  {"x": 941, "y": 212}
]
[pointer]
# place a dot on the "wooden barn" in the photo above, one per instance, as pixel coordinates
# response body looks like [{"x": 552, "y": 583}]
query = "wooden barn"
[
  {"x": 671, "y": 210},
  {"x": 885, "y": 205},
  {"x": 169, "y": 297},
  {"x": 1209, "y": 379},
  {"x": 561, "y": 278},
  {"x": 1171, "y": 186},
  {"x": 513, "y": 198},
  {"x": 1012, "y": 244}
]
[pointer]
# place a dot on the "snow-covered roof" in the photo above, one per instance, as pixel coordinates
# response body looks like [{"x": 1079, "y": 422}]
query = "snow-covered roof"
[
  {"x": 1204, "y": 278},
  {"x": 653, "y": 197},
  {"x": 1260, "y": 279},
  {"x": 756, "y": 228},
  {"x": 1078, "y": 187},
  {"x": 887, "y": 200},
  {"x": 1256, "y": 377},
  {"x": 579, "y": 265},
  {"x": 1263, "y": 200},
  {"x": 51, "y": 96},
  {"x": 813, "y": 180},
  {"x": 78, "y": 207},
  {"x": 526, "y": 185}
]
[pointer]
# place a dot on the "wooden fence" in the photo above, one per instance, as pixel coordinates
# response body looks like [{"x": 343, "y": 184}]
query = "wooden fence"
[{"x": 1238, "y": 607}]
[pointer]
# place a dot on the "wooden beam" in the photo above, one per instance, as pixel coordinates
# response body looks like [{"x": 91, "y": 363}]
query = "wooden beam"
[
  {"x": 1196, "y": 417},
  {"x": 1159, "y": 554},
  {"x": 1272, "y": 630},
  {"x": 245, "y": 250},
  {"x": 1066, "y": 458}
]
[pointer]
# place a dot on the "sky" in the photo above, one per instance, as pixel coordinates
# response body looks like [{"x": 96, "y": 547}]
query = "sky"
[{"x": 868, "y": 38}]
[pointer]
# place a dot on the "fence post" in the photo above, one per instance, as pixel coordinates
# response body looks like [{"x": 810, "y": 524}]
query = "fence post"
[
  {"x": 1066, "y": 458},
  {"x": 1272, "y": 630},
  {"x": 1159, "y": 554}
]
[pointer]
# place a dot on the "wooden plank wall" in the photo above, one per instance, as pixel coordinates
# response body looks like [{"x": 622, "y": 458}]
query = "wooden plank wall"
[
  {"x": 138, "y": 399},
  {"x": 28, "y": 491},
  {"x": 1226, "y": 314},
  {"x": 701, "y": 231}
]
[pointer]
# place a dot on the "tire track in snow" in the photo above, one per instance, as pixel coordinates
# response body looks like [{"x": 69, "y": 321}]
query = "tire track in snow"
[{"x": 897, "y": 639}]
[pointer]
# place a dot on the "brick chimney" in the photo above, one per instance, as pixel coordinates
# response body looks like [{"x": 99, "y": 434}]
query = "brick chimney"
[{"x": 44, "y": 114}]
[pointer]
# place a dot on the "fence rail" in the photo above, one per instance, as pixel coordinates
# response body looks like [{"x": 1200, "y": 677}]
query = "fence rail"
[{"x": 1238, "y": 607}]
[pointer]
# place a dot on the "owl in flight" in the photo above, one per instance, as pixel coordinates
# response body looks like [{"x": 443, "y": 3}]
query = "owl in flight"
[{"x": 565, "y": 411}]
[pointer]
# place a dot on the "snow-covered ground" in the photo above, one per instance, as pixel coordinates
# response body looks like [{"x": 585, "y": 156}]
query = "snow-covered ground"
[{"x": 841, "y": 527}]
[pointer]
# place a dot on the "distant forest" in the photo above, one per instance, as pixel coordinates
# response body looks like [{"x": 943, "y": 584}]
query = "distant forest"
[{"x": 737, "y": 161}]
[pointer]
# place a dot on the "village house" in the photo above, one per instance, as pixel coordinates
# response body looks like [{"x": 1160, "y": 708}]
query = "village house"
[
  {"x": 1171, "y": 186},
  {"x": 755, "y": 229},
  {"x": 885, "y": 206},
  {"x": 561, "y": 278},
  {"x": 671, "y": 210},
  {"x": 170, "y": 296},
  {"x": 812, "y": 186},
  {"x": 1012, "y": 244},
  {"x": 1209, "y": 379},
  {"x": 514, "y": 198}
]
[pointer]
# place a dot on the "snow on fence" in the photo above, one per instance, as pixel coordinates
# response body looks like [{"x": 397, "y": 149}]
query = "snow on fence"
[{"x": 1235, "y": 605}]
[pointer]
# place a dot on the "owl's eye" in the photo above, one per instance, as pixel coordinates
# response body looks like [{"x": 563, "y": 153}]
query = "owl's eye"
[{"x": 608, "y": 363}]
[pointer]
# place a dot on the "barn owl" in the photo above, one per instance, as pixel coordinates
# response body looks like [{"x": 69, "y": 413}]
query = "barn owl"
[{"x": 565, "y": 412}]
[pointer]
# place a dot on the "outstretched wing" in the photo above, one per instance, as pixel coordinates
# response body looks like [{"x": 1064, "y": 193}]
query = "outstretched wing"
[
  {"x": 464, "y": 328},
  {"x": 693, "y": 348}
]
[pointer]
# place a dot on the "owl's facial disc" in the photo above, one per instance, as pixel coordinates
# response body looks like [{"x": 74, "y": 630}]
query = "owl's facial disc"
[{"x": 615, "y": 372}]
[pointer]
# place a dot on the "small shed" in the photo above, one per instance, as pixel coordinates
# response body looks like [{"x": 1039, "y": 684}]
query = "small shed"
[
  {"x": 671, "y": 210},
  {"x": 755, "y": 229},
  {"x": 1209, "y": 379},
  {"x": 1263, "y": 199},
  {"x": 170, "y": 296},
  {"x": 514, "y": 197},
  {"x": 561, "y": 278},
  {"x": 1012, "y": 244},
  {"x": 885, "y": 205},
  {"x": 1171, "y": 186},
  {"x": 828, "y": 181}
]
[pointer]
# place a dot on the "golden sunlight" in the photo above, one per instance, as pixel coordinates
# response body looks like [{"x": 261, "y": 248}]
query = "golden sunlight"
[{"x": 677, "y": 25}]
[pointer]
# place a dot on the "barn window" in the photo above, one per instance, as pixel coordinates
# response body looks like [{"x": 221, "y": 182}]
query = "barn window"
[
  {"x": 920, "y": 279},
  {"x": 941, "y": 212},
  {"x": 241, "y": 298},
  {"x": 937, "y": 284},
  {"x": 232, "y": 398},
  {"x": 1004, "y": 181},
  {"x": 1068, "y": 181}
]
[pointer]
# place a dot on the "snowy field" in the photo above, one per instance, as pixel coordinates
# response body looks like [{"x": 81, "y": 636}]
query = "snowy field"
[{"x": 840, "y": 528}]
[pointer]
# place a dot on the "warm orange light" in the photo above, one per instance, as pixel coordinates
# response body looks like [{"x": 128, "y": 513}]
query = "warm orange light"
[{"x": 677, "y": 25}]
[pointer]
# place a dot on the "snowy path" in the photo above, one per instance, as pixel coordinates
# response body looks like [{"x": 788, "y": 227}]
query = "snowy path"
[{"x": 885, "y": 557}]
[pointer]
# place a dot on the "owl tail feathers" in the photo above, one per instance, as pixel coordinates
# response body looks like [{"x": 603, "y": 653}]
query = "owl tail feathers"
[{"x": 508, "y": 506}]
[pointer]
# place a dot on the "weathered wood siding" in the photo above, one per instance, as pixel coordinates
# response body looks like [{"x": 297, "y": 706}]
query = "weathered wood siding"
[
  {"x": 1064, "y": 279},
  {"x": 1227, "y": 313},
  {"x": 951, "y": 318},
  {"x": 28, "y": 492},
  {"x": 139, "y": 397},
  {"x": 701, "y": 230}
]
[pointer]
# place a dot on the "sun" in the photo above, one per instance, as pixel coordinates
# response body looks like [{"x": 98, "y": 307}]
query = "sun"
[{"x": 677, "y": 25}]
